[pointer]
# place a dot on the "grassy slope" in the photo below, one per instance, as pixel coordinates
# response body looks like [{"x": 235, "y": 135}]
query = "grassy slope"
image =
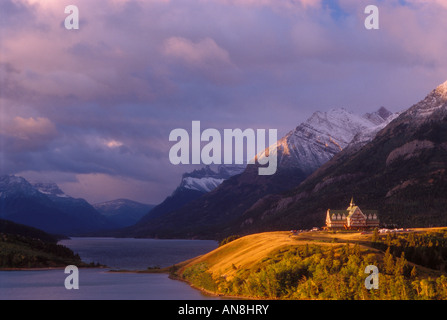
[
  {"x": 249, "y": 252},
  {"x": 243, "y": 252},
  {"x": 246, "y": 252}
]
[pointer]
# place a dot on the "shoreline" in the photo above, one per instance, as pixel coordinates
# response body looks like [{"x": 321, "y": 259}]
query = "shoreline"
[
  {"x": 175, "y": 277},
  {"x": 32, "y": 269},
  {"x": 210, "y": 293},
  {"x": 49, "y": 268},
  {"x": 154, "y": 271}
]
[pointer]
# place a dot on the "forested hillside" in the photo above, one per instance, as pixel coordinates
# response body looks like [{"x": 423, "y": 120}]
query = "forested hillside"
[{"x": 327, "y": 266}]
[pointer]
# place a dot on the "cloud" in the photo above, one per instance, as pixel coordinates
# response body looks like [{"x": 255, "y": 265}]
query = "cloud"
[
  {"x": 274, "y": 3},
  {"x": 100, "y": 101},
  {"x": 114, "y": 187},
  {"x": 113, "y": 143},
  {"x": 27, "y": 134},
  {"x": 440, "y": 3},
  {"x": 26, "y": 128},
  {"x": 200, "y": 54},
  {"x": 202, "y": 59}
]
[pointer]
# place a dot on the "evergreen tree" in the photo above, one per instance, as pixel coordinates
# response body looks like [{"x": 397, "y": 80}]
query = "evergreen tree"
[
  {"x": 375, "y": 236},
  {"x": 413, "y": 273},
  {"x": 388, "y": 262},
  {"x": 401, "y": 264}
]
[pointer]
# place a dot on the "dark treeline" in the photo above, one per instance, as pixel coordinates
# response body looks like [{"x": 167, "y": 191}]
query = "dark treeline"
[
  {"x": 17, "y": 251},
  {"x": 428, "y": 249}
]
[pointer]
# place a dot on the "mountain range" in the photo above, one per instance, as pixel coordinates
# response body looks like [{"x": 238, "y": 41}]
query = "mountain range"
[
  {"x": 400, "y": 173},
  {"x": 391, "y": 162},
  {"x": 123, "y": 212},
  {"x": 192, "y": 186},
  {"x": 45, "y": 206},
  {"x": 299, "y": 154}
]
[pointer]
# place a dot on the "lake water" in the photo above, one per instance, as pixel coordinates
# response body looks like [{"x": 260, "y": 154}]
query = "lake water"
[
  {"x": 99, "y": 284},
  {"x": 137, "y": 254}
]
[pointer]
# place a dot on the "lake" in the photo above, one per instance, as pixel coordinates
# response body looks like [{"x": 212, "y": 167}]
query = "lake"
[{"x": 98, "y": 284}]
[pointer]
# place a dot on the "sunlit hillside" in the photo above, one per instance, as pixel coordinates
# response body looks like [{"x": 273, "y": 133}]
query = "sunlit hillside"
[{"x": 325, "y": 265}]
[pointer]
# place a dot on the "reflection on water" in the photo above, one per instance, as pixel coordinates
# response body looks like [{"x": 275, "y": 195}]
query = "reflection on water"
[
  {"x": 137, "y": 254},
  {"x": 100, "y": 284},
  {"x": 95, "y": 284}
]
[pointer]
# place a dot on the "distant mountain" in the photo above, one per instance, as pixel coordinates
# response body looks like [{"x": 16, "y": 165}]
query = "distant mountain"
[
  {"x": 192, "y": 186},
  {"x": 206, "y": 180},
  {"x": 367, "y": 135},
  {"x": 123, "y": 212},
  {"x": 378, "y": 117},
  {"x": 401, "y": 173},
  {"x": 299, "y": 153},
  {"x": 45, "y": 206},
  {"x": 84, "y": 212}
]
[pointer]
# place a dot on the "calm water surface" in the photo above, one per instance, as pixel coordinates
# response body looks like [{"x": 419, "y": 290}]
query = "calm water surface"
[
  {"x": 96, "y": 283},
  {"x": 137, "y": 254}
]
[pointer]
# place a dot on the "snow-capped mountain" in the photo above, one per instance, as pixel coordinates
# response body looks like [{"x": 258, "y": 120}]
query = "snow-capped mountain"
[
  {"x": 433, "y": 103},
  {"x": 123, "y": 212},
  {"x": 378, "y": 117},
  {"x": 401, "y": 173},
  {"x": 205, "y": 179},
  {"x": 300, "y": 152},
  {"x": 324, "y": 134},
  {"x": 381, "y": 118},
  {"x": 76, "y": 207},
  {"x": 47, "y": 207},
  {"x": 192, "y": 186},
  {"x": 49, "y": 188},
  {"x": 11, "y": 185}
]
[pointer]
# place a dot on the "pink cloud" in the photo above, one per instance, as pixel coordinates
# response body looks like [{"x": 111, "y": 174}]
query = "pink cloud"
[
  {"x": 22, "y": 134},
  {"x": 138, "y": 68},
  {"x": 26, "y": 128},
  {"x": 273, "y": 3},
  {"x": 200, "y": 54}
]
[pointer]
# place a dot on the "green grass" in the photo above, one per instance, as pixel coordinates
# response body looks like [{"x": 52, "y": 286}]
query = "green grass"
[{"x": 277, "y": 265}]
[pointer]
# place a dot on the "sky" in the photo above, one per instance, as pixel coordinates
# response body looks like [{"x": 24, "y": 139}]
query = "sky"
[{"x": 92, "y": 108}]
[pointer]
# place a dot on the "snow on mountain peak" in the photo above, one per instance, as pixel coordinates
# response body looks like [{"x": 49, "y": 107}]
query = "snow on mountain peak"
[
  {"x": 49, "y": 188},
  {"x": 363, "y": 137},
  {"x": 324, "y": 134},
  {"x": 11, "y": 179},
  {"x": 435, "y": 101},
  {"x": 378, "y": 117},
  {"x": 336, "y": 125},
  {"x": 205, "y": 184},
  {"x": 442, "y": 90},
  {"x": 11, "y": 183},
  {"x": 205, "y": 179}
]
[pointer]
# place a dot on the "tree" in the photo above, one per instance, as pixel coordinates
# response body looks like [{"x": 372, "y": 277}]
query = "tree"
[
  {"x": 388, "y": 261},
  {"x": 375, "y": 237},
  {"x": 401, "y": 264},
  {"x": 413, "y": 273},
  {"x": 388, "y": 239}
]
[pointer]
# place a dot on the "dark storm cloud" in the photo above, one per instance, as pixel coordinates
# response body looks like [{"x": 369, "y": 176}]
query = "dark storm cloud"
[{"x": 97, "y": 104}]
